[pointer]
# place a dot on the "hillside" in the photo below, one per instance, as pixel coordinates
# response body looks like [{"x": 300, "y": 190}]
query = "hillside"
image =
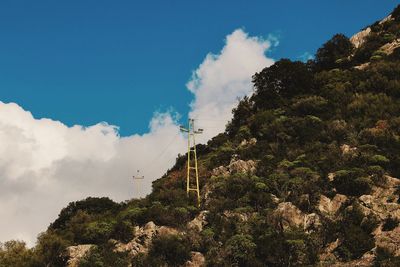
[{"x": 305, "y": 174}]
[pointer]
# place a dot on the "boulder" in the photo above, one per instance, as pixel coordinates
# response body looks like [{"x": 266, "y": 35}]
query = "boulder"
[
  {"x": 359, "y": 38},
  {"x": 142, "y": 238},
  {"x": 199, "y": 222},
  {"x": 329, "y": 206},
  {"x": 235, "y": 166},
  {"x": 382, "y": 201},
  {"x": 76, "y": 253},
  {"x": 389, "y": 240},
  {"x": 250, "y": 142},
  {"x": 327, "y": 257},
  {"x": 346, "y": 149},
  {"x": 241, "y": 166},
  {"x": 288, "y": 216},
  {"x": 197, "y": 260}
]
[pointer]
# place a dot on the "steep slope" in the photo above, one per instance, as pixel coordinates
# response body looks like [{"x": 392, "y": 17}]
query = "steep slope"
[{"x": 304, "y": 175}]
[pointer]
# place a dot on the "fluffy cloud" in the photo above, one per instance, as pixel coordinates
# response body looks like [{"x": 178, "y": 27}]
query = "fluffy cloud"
[
  {"x": 221, "y": 79},
  {"x": 46, "y": 164}
]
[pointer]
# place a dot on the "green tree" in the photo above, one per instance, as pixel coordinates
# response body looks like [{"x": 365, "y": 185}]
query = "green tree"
[
  {"x": 240, "y": 250},
  {"x": 337, "y": 48}
]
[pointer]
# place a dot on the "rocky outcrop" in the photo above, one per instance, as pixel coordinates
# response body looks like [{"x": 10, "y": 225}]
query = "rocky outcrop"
[
  {"x": 197, "y": 260},
  {"x": 362, "y": 66},
  {"x": 329, "y": 206},
  {"x": 382, "y": 201},
  {"x": 142, "y": 238},
  {"x": 346, "y": 149},
  {"x": 359, "y": 38},
  {"x": 390, "y": 47},
  {"x": 389, "y": 240},
  {"x": 366, "y": 260},
  {"x": 288, "y": 216},
  {"x": 199, "y": 222},
  {"x": 76, "y": 253},
  {"x": 240, "y": 216},
  {"x": 235, "y": 166},
  {"x": 246, "y": 143},
  {"x": 327, "y": 257}
]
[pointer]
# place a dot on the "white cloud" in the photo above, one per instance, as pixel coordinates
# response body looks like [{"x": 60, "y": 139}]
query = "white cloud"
[
  {"x": 221, "y": 79},
  {"x": 46, "y": 164}
]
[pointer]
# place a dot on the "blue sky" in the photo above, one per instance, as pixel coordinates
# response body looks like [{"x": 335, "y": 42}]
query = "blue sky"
[{"x": 85, "y": 61}]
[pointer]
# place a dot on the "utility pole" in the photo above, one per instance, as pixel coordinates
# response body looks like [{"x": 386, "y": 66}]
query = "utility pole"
[
  {"x": 137, "y": 178},
  {"x": 192, "y": 142}
]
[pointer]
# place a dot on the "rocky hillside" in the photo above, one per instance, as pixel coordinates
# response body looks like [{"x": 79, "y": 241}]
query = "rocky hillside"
[{"x": 304, "y": 175}]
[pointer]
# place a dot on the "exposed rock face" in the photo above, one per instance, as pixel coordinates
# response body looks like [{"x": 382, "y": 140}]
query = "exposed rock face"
[
  {"x": 76, "y": 253},
  {"x": 250, "y": 142},
  {"x": 346, "y": 149},
  {"x": 366, "y": 260},
  {"x": 288, "y": 215},
  {"x": 197, "y": 260},
  {"x": 331, "y": 206},
  {"x": 235, "y": 166},
  {"x": 241, "y": 216},
  {"x": 362, "y": 66},
  {"x": 359, "y": 38},
  {"x": 389, "y": 240},
  {"x": 327, "y": 256},
  {"x": 199, "y": 222},
  {"x": 386, "y": 19},
  {"x": 142, "y": 239},
  {"x": 274, "y": 199},
  {"x": 241, "y": 166},
  {"x": 220, "y": 171},
  {"x": 382, "y": 201},
  {"x": 390, "y": 47}
]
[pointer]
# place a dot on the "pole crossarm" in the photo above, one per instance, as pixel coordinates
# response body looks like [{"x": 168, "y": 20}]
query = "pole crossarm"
[{"x": 138, "y": 177}]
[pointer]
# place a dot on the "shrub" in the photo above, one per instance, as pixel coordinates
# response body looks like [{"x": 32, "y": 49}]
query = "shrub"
[
  {"x": 104, "y": 256},
  {"x": 172, "y": 250},
  {"x": 351, "y": 182},
  {"x": 390, "y": 223},
  {"x": 338, "y": 47},
  {"x": 240, "y": 250}
]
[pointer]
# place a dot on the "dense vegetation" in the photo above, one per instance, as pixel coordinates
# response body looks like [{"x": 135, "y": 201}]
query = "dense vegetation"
[{"x": 302, "y": 116}]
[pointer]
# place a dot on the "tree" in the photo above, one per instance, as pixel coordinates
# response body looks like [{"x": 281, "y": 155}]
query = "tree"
[
  {"x": 172, "y": 250},
  {"x": 240, "y": 250},
  {"x": 332, "y": 52},
  {"x": 15, "y": 253},
  {"x": 280, "y": 82}
]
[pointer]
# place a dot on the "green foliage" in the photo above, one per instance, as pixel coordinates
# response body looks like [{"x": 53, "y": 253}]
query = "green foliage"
[
  {"x": 240, "y": 250},
  {"x": 16, "y": 254},
  {"x": 104, "y": 256},
  {"x": 50, "y": 249},
  {"x": 280, "y": 82},
  {"x": 90, "y": 206},
  {"x": 334, "y": 52},
  {"x": 384, "y": 258},
  {"x": 352, "y": 182},
  {"x": 355, "y": 231},
  {"x": 310, "y": 105},
  {"x": 172, "y": 250},
  {"x": 321, "y": 128}
]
